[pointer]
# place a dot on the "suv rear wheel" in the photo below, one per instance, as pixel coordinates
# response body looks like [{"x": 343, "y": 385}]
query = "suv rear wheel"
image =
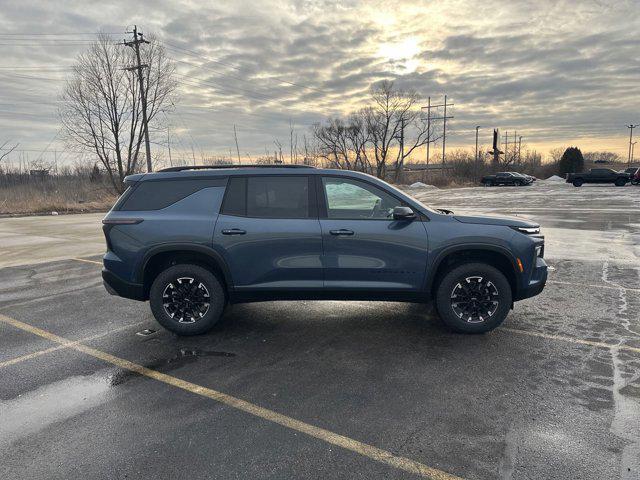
[
  {"x": 187, "y": 299},
  {"x": 473, "y": 298},
  {"x": 577, "y": 182}
]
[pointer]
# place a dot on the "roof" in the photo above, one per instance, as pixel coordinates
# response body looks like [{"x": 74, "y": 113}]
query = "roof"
[
  {"x": 227, "y": 167},
  {"x": 207, "y": 171}
]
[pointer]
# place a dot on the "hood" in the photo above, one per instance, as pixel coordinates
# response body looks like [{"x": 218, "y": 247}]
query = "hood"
[{"x": 491, "y": 220}]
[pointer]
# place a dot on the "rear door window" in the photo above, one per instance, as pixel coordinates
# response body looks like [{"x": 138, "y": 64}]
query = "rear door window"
[
  {"x": 268, "y": 196},
  {"x": 278, "y": 197}
]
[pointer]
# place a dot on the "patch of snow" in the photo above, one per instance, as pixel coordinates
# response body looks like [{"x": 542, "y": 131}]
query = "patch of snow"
[
  {"x": 555, "y": 178},
  {"x": 423, "y": 186}
]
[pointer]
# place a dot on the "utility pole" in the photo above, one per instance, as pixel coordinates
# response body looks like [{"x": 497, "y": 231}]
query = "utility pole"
[
  {"x": 401, "y": 159},
  {"x": 138, "y": 38},
  {"x": 631, "y": 127},
  {"x": 520, "y": 150},
  {"x": 476, "y": 164},
  {"x": 236, "y": 137},
  {"x": 506, "y": 147},
  {"x": 633, "y": 147},
  {"x": 169, "y": 146},
  {"x": 444, "y": 118},
  {"x": 444, "y": 133},
  {"x": 428, "y": 127}
]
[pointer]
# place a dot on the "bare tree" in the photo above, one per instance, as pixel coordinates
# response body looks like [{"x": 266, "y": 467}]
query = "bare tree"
[
  {"x": 374, "y": 138},
  {"x": 392, "y": 115},
  {"x": 279, "y": 156},
  {"x": 333, "y": 145},
  {"x": 5, "y": 151},
  {"x": 609, "y": 157},
  {"x": 555, "y": 154},
  {"x": 101, "y": 108}
]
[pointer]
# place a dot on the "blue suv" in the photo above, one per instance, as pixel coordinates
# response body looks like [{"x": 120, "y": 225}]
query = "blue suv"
[{"x": 193, "y": 239}]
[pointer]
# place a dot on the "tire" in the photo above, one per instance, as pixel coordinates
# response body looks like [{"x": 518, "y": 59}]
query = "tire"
[
  {"x": 490, "y": 281},
  {"x": 577, "y": 182},
  {"x": 620, "y": 182},
  {"x": 196, "y": 286},
  {"x": 488, "y": 184},
  {"x": 635, "y": 182}
]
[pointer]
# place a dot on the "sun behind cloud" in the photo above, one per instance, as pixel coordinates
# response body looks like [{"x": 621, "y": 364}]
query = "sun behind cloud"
[{"x": 402, "y": 54}]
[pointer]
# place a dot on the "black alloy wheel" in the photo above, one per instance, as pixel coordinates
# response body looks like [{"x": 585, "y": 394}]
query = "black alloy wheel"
[
  {"x": 474, "y": 299},
  {"x": 187, "y": 299}
]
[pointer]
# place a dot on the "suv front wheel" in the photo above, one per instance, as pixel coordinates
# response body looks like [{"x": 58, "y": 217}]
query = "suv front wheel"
[
  {"x": 473, "y": 298},
  {"x": 187, "y": 299}
]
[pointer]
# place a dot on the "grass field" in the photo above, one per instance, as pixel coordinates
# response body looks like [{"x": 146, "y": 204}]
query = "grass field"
[{"x": 23, "y": 194}]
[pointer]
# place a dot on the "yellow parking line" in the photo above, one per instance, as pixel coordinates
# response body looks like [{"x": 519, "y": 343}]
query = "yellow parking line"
[
  {"x": 29, "y": 356},
  {"x": 374, "y": 453},
  {"x": 63, "y": 346},
  {"x": 88, "y": 261},
  {"x": 577, "y": 341}
]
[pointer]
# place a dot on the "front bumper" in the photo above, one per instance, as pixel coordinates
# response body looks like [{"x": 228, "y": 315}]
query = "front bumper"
[
  {"x": 117, "y": 286},
  {"x": 536, "y": 282}
]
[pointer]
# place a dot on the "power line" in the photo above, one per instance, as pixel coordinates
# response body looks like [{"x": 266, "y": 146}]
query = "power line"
[
  {"x": 193, "y": 53},
  {"x": 58, "y": 34}
]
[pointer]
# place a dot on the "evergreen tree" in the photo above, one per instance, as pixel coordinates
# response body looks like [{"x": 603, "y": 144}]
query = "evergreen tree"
[{"x": 571, "y": 161}]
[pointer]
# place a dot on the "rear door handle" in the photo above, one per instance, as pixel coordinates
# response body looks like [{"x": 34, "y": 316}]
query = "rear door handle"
[
  {"x": 233, "y": 231},
  {"x": 342, "y": 231}
]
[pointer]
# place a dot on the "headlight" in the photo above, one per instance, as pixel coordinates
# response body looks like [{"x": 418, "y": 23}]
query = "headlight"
[{"x": 528, "y": 230}]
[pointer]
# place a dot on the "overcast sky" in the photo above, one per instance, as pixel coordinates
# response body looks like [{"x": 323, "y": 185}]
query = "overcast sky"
[{"x": 559, "y": 72}]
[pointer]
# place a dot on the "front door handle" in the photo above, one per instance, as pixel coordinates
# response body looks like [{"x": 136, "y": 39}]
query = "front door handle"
[
  {"x": 342, "y": 231},
  {"x": 233, "y": 231}
]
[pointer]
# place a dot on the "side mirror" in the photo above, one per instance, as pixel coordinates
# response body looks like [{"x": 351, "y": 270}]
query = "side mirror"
[{"x": 403, "y": 213}]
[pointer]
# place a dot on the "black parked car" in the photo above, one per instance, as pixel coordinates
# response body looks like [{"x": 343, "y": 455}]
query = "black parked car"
[
  {"x": 599, "y": 175},
  {"x": 506, "y": 178},
  {"x": 632, "y": 171}
]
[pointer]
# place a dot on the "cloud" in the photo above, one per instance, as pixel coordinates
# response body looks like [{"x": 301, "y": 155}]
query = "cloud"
[{"x": 559, "y": 71}]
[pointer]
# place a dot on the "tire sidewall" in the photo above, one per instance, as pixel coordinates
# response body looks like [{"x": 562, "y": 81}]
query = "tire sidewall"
[
  {"x": 577, "y": 183},
  {"x": 217, "y": 299},
  {"x": 459, "y": 273}
]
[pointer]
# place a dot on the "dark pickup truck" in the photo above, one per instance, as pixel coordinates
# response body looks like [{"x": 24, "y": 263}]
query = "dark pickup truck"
[
  {"x": 599, "y": 175},
  {"x": 506, "y": 178}
]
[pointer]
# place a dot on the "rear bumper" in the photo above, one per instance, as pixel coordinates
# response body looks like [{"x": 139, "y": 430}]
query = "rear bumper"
[
  {"x": 117, "y": 286},
  {"x": 537, "y": 281}
]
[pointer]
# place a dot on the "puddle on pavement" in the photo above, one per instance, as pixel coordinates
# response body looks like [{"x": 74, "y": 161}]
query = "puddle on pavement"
[
  {"x": 183, "y": 356},
  {"x": 36, "y": 410}
]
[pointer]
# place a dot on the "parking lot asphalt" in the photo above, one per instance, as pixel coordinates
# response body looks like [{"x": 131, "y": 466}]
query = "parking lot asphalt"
[{"x": 337, "y": 389}]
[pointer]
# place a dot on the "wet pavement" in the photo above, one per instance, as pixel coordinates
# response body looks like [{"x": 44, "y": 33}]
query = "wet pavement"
[{"x": 554, "y": 393}]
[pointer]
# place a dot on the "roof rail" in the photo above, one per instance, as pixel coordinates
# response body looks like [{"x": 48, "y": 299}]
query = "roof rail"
[{"x": 215, "y": 167}]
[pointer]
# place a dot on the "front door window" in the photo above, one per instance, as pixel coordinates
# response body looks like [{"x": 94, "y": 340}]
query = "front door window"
[{"x": 351, "y": 199}]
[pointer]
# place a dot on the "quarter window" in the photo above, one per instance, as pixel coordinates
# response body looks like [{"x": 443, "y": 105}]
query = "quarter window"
[
  {"x": 351, "y": 199},
  {"x": 156, "y": 195}
]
